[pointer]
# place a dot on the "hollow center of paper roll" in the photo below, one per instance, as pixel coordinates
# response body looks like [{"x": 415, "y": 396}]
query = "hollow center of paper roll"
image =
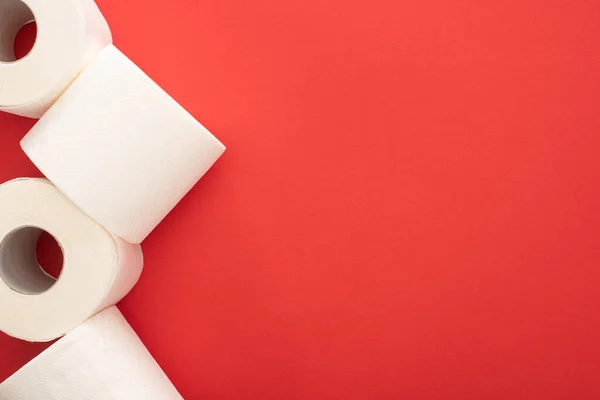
[
  {"x": 49, "y": 255},
  {"x": 19, "y": 265},
  {"x": 14, "y": 15},
  {"x": 25, "y": 40}
]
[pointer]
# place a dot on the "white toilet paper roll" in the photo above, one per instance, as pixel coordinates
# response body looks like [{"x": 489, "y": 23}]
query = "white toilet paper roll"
[
  {"x": 120, "y": 147},
  {"x": 98, "y": 268},
  {"x": 69, "y": 34},
  {"x": 103, "y": 359}
]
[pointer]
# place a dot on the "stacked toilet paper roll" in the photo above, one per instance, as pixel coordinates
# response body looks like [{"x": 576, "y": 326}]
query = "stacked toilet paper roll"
[
  {"x": 70, "y": 33},
  {"x": 120, "y": 147},
  {"x": 99, "y": 269},
  {"x": 119, "y": 154},
  {"x": 102, "y": 359}
]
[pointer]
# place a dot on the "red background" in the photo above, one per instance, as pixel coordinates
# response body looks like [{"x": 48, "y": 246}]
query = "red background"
[{"x": 408, "y": 207}]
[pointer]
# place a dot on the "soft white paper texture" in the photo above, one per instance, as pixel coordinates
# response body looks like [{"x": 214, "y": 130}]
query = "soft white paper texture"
[
  {"x": 70, "y": 33},
  {"x": 103, "y": 359},
  {"x": 120, "y": 147},
  {"x": 98, "y": 268}
]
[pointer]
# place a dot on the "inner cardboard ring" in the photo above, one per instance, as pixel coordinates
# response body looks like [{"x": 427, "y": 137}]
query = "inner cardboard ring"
[
  {"x": 19, "y": 265},
  {"x": 14, "y": 14}
]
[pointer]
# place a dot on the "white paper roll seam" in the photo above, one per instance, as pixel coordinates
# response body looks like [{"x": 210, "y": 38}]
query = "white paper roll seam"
[
  {"x": 70, "y": 33},
  {"x": 120, "y": 147},
  {"x": 98, "y": 268},
  {"x": 103, "y": 359}
]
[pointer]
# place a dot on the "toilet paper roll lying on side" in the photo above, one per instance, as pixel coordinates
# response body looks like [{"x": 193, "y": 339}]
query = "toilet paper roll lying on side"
[
  {"x": 98, "y": 268},
  {"x": 103, "y": 359},
  {"x": 120, "y": 147},
  {"x": 69, "y": 34}
]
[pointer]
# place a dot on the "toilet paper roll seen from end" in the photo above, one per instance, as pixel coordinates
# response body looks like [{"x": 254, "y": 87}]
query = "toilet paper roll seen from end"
[
  {"x": 120, "y": 147},
  {"x": 100, "y": 360},
  {"x": 69, "y": 34},
  {"x": 98, "y": 269}
]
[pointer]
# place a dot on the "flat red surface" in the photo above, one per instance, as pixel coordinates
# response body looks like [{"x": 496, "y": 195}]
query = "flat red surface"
[{"x": 409, "y": 207}]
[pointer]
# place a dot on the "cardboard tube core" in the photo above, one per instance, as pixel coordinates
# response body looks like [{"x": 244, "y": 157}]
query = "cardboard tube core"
[
  {"x": 14, "y": 14},
  {"x": 19, "y": 266}
]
